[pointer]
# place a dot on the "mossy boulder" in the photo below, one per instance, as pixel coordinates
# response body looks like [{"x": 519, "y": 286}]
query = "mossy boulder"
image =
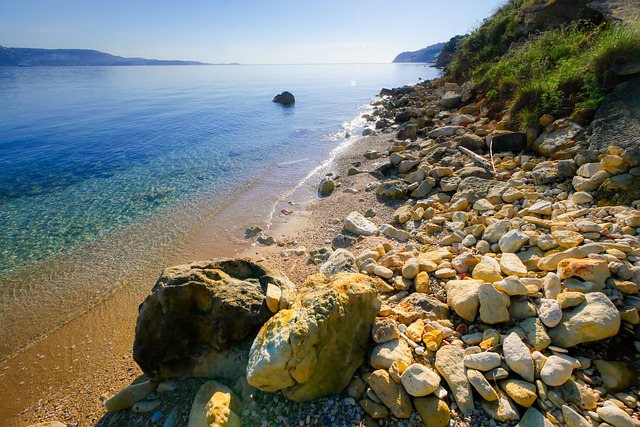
[{"x": 313, "y": 349}]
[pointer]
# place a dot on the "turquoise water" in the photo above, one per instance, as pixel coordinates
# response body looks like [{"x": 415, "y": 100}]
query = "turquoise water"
[
  {"x": 109, "y": 174},
  {"x": 86, "y": 151}
]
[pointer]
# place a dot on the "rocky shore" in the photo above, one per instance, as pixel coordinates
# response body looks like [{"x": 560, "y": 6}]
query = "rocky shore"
[{"x": 451, "y": 273}]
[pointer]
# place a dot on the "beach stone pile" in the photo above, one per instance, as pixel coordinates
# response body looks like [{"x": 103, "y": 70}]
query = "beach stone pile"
[{"x": 510, "y": 268}]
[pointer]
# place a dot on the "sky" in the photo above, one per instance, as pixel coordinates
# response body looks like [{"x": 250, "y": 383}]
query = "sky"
[{"x": 244, "y": 31}]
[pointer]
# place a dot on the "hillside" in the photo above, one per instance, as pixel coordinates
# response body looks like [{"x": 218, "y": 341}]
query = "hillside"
[
  {"x": 561, "y": 58},
  {"x": 428, "y": 54},
  {"x": 27, "y": 57}
]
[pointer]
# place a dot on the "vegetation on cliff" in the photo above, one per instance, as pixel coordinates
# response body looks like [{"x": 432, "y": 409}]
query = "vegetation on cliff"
[{"x": 534, "y": 62}]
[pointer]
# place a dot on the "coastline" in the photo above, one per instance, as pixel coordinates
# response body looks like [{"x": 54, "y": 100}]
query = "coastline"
[{"x": 42, "y": 380}]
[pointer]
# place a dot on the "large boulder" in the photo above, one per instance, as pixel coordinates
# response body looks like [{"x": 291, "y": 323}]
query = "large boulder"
[
  {"x": 313, "y": 349},
  {"x": 617, "y": 121},
  {"x": 594, "y": 319},
  {"x": 285, "y": 98},
  {"x": 473, "y": 188},
  {"x": 201, "y": 318},
  {"x": 501, "y": 141},
  {"x": 618, "y": 190},
  {"x": 560, "y": 140}
]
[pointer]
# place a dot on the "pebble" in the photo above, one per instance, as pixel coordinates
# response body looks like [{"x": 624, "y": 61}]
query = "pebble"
[
  {"x": 549, "y": 312},
  {"x": 383, "y": 272},
  {"x": 556, "y": 371},
  {"x": 418, "y": 380},
  {"x": 517, "y": 356},
  {"x": 484, "y": 361},
  {"x": 615, "y": 416},
  {"x": 481, "y": 385}
]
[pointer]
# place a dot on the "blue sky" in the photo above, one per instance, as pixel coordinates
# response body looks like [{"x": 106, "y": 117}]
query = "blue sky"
[{"x": 245, "y": 31}]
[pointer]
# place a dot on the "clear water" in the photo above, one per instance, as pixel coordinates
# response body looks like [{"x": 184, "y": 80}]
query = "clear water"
[
  {"x": 91, "y": 156},
  {"x": 86, "y": 150}
]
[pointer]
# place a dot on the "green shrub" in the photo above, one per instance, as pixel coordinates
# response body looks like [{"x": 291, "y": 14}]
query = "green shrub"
[
  {"x": 551, "y": 72},
  {"x": 559, "y": 69}
]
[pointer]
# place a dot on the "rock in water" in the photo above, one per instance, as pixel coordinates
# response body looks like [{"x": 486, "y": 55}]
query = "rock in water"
[
  {"x": 285, "y": 98},
  {"x": 201, "y": 318},
  {"x": 215, "y": 405},
  {"x": 313, "y": 349}
]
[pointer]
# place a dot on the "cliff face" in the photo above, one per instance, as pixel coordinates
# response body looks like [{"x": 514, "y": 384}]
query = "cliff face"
[
  {"x": 26, "y": 57},
  {"x": 428, "y": 54},
  {"x": 449, "y": 48}
]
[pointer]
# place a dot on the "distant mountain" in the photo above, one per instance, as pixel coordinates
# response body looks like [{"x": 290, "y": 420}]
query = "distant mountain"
[
  {"x": 26, "y": 57},
  {"x": 428, "y": 54}
]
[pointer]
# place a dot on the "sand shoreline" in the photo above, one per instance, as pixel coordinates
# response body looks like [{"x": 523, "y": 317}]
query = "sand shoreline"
[{"x": 54, "y": 377}]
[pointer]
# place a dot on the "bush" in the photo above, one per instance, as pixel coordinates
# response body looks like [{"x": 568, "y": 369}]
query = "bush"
[
  {"x": 560, "y": 69},
  {"x": 550, "y": 72}
]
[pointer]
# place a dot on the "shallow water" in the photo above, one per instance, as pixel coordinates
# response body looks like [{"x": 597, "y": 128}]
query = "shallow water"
[{"x": 104, "y": 169}]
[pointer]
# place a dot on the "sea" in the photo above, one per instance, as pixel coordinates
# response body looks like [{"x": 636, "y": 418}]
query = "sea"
[{"x": 104, "y": 169}]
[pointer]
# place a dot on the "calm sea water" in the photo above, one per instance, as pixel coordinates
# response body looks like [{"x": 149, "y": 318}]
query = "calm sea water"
[
  {"x": 104, "y": 168},
  {"x": 86, "y": 150}
]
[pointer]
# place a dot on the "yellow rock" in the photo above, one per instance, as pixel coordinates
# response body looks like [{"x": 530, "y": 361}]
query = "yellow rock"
[
  {"x": 433, "y": 411},
  {"x": 567, "y": 238},
  {"x": 490, "y": 339},
  {"x": 432, "y": 339},
  {"x": 522, "y": 392},
  {"x": 215, "y": 405},
  {"x": 415, "y": 330},
  {"x": 487, "y": 271},
  {"x": 421, "y": 282},
  {"x": 273, "y": 297},
  {"x": 588, "y": 269}
]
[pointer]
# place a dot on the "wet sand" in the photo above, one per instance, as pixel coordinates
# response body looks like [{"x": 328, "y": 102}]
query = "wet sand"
[{"x": 66, "y": 374}]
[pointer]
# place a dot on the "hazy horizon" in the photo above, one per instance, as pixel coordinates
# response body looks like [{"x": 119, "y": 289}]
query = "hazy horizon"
[{"x": 224, "y": 31}]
